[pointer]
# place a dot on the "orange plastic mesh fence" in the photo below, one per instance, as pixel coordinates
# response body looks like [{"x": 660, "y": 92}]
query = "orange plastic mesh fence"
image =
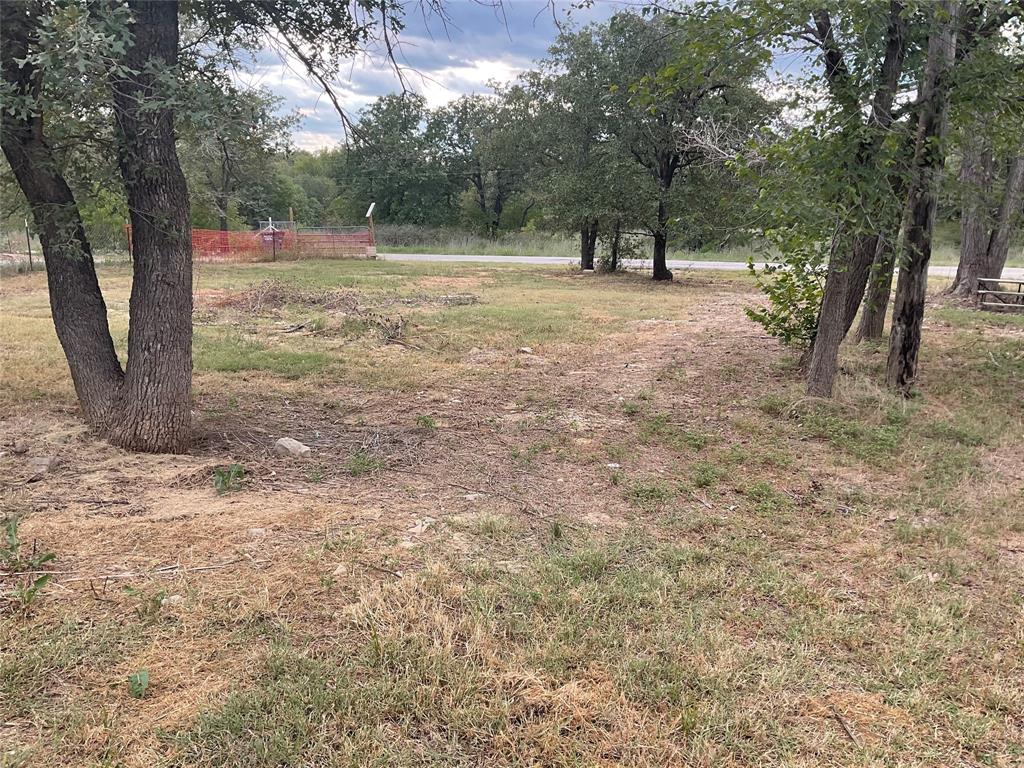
[{"x": 215, "y": 246}]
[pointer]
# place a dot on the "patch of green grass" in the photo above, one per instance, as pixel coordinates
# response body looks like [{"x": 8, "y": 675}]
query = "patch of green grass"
[
  {"x": 648, "y": 494},
  {"x": 705, "y": 474},
  {"x": 659, "y": 427},
  {"x": 871, "y": 442},
  {"x": 426, "y": 422},
  {"x": 231, "y": 353},
  {"x": 228, "y": 479},
  {"x": 362, "y": 462}
]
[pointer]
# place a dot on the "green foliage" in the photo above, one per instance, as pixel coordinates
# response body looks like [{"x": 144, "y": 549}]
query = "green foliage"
[
  {"x": 426, "y": 422},
  {"x": 138, "y": 684},
  {"x": 147, "y": 605},
  {"x": 23, "y": 568},
  {"x": 228, "y": 479},
  {"x": 794, "y": 290},
  {"x": 362, "y": 462}
]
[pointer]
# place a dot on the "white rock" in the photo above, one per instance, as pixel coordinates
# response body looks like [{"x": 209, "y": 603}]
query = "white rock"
[
  {"x": 173, "y": 600},
  {"x": 341, "y": 570},
  {"x": 421, "y": 525},
  {"x": 613, "y": 465},
  {"x": 43, "y": 464},
  {"x": 286, "y": 446},
  {"x": 526, "y": 350}
]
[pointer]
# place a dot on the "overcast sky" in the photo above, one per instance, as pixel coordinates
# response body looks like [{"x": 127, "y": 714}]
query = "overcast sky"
[{"x": 478, "y": 44}]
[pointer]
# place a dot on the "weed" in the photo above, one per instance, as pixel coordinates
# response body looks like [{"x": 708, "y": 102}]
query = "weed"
[
  {"x": 556, "y": 530},
  {"x": 228, "y": 479},
  {"x": 361, "y": 462},
  {"x": 705, "y": 474},
  {"x": 426, "y": 422},
  {"x": 24, "y": 568},
  {"x": 648, "y": 494},
  {"x": 631, "y": 408},
  {"x": 147, "y": 606},
  {"x": 138, "y": 683}
]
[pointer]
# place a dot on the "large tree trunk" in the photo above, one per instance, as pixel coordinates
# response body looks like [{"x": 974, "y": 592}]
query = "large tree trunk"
[
  {"x": 876, "y": 299},
  {"x": 661, "y": 270},
  {"x": 929, "y": 156},
  {"x": 848, "y": 274},
  {"x": 975, "y": 177},
  {"x": 999, "y": 243},
  {"x": 79, "y": 312},
  {"x": 613, "y": 258},
  {"x": 844, "y": 288},
  {"x": 588, "y": 243},
  {"x": 155, "y": 399}
]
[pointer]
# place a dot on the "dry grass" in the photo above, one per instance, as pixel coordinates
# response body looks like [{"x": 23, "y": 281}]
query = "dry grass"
[{"x": 633, "y": 542}]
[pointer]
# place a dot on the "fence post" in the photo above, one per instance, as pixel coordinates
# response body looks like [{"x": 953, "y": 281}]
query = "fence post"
[{"x": 28, "y": 242}]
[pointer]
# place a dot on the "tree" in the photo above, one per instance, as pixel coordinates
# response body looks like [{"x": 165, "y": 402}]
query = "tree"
[
  {"x": 389, "y": 163},
  {"x": 583, "y": 175},
  {"x": 673, "y": 76},
  {"x": 929, "y": 157},
  {"x": 475, "y": 140},
  {"x": 986, "y": 119},
  {"x": 229, "y": 146},
  {"x": 124, "y": 56}
]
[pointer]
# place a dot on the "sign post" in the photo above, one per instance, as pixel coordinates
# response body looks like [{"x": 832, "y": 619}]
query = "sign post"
[
  {"x": 28, "y": 241},
  {"x": 369, "y": 216}
]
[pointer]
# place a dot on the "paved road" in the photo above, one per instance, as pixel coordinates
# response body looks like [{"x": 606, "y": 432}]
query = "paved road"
[{"x": 1010, "y": 273}]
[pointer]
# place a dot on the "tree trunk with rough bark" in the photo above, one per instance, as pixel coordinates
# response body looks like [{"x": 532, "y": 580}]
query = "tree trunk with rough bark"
[
  {"x": 613, "y": 258},
  {"x": 1009, "y": 212},
  {"x": 79, "y": 312},
  {"x": 661, "y": 270},
  {"x": 847, "y": 274},
  {"x": 155, "y": 399},
  {"x": 876, "y": 299},
  {"x": 844, "y": 288},
  {"x": 588, "y": 243},
  {"x": 975, "y": 177},
  {"x": 922, "y": 200}
]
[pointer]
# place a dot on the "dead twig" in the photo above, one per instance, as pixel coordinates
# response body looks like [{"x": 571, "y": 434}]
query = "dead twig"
[{"x": 839, "y": 719}]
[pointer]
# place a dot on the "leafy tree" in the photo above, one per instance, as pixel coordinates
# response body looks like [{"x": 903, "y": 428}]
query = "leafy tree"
[
  {"x": 228, "y": 148},
  {"x": 119, "y": 64},
  {"x": 389, "y": 163},
  {"x": 582, "y": 174},
  {"x": 677, "y": 78}
]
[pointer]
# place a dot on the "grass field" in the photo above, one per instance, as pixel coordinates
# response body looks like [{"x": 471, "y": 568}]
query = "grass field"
[{"x": 549, "y": 519}]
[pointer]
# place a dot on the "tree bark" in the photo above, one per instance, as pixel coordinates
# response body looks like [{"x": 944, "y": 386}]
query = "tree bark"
[
  {"x": 844, "y": 287},
  {"x": 848, "y": 273},
  {"x": 588, "y": 243},
  {"x": 975, "y": 178},
  {"x": 876, "y": 300},
  {"x": 79, "y": 312},
  {"x": 922, "y": 200},
  {"x": 1009, "y": 211},
  {"x": 613, "y": 259},
  {"x": 661, "y": 270},
  {"x": 155, "y": 399}
]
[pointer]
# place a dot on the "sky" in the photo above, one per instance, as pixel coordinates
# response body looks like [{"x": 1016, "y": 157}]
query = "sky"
[{"x": 443, "y": 59}]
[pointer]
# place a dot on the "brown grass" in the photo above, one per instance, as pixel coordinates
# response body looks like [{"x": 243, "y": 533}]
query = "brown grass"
[{"x": 636, "y": 544}]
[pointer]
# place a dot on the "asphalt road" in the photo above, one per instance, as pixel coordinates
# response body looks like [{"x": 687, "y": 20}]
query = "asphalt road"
[{"x": 1010, "y": 273}]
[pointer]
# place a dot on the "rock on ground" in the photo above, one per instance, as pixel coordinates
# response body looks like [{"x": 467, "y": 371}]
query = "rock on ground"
[{"x": 286, "y": 446}]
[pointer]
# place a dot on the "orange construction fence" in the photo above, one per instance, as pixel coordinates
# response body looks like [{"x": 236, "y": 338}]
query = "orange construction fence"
[{"x": 216, "y": 246}]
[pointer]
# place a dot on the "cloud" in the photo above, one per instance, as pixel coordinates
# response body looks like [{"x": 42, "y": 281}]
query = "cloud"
[{"x": 441, "y": 59}]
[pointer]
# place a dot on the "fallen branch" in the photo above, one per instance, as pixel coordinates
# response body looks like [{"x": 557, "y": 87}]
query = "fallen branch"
[{"x": 164, "y": 570}]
